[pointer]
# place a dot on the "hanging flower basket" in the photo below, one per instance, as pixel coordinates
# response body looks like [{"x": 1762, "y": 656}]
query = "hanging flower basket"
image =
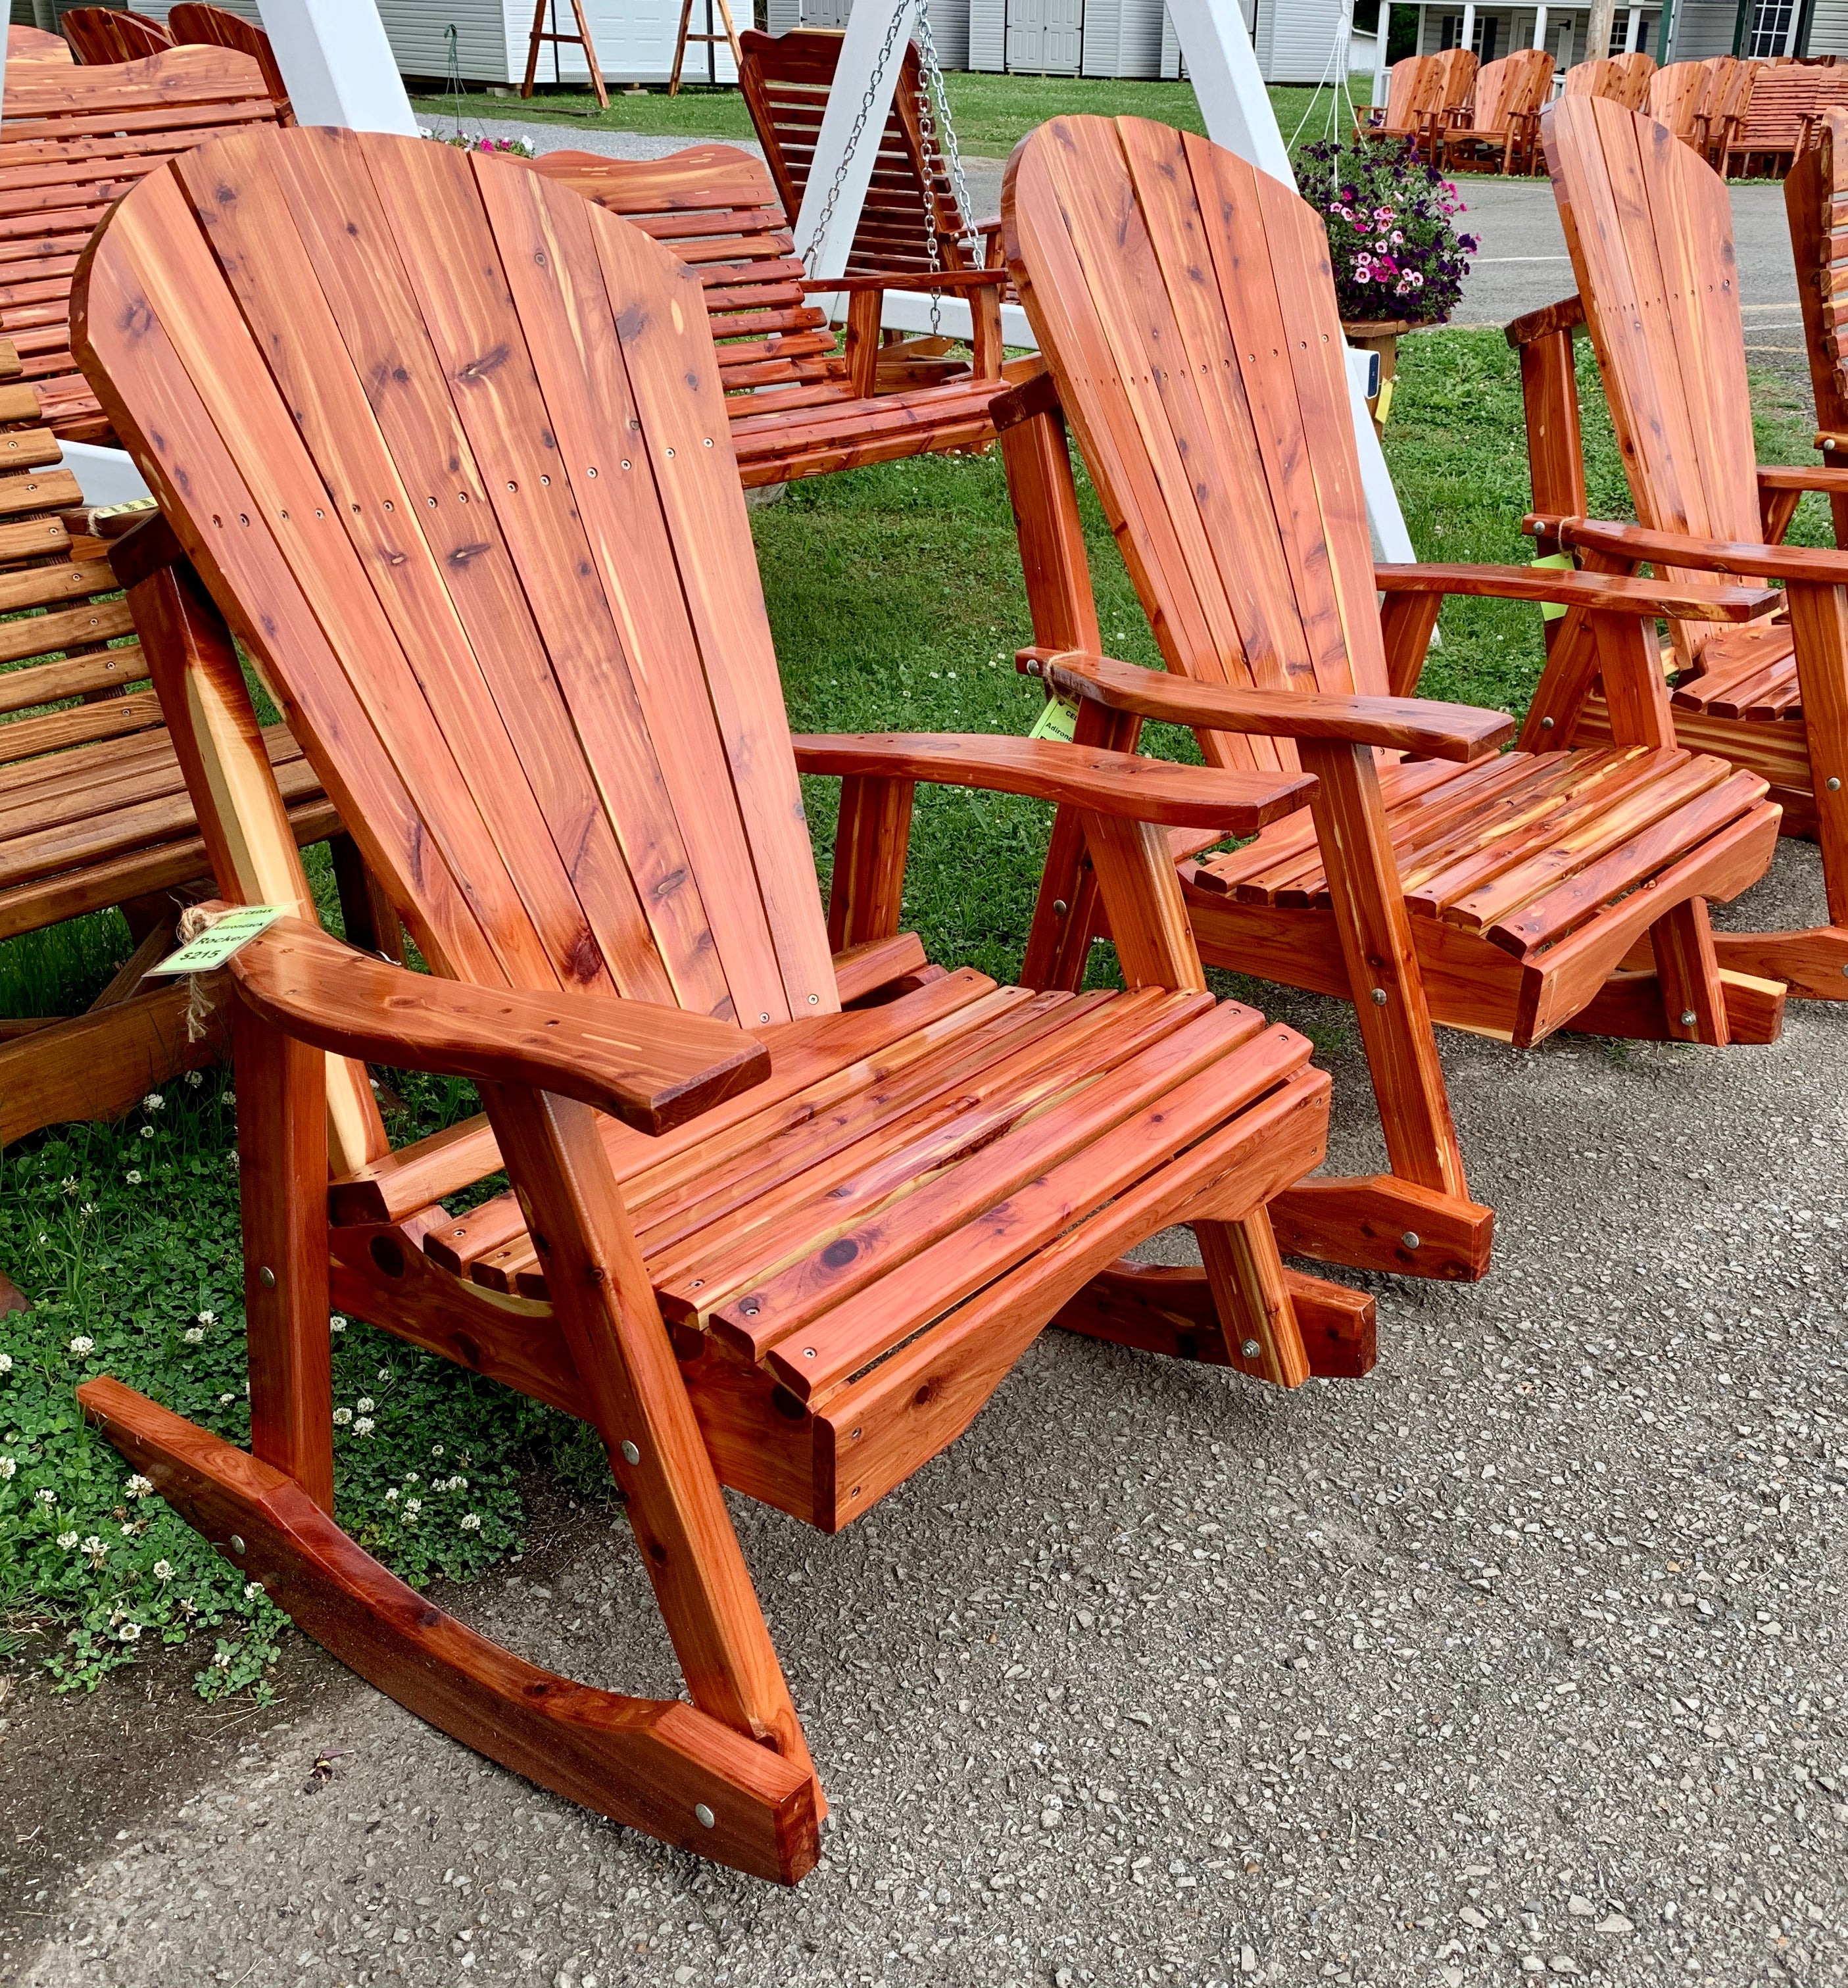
[{"x": 1397, "y": 257}]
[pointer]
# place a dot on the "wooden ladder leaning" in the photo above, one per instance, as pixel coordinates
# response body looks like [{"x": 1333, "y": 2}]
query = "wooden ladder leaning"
[
  {"x": 686, "y": 17},
  {"x": 583, "y": 39}
]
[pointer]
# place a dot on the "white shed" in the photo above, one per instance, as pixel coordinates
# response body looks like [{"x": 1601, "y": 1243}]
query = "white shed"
[{"x": 948, "y": 23}]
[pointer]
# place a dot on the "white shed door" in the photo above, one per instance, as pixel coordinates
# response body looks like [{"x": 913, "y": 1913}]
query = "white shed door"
[{"x": 1045, "y": 37}]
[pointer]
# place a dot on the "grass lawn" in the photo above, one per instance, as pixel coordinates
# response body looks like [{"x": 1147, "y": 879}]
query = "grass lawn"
[
  {"x": 993, "y": 114},
  {"x": 896, "y": 600}
]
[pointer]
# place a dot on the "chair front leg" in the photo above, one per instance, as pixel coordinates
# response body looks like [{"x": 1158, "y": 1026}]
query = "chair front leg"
[{"x": 633, "y": 1393}]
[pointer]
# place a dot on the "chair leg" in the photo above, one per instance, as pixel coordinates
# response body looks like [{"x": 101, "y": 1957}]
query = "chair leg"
[
  {"x": 1252, "y": 1297},
  {"x": 633, "y": 1393}
]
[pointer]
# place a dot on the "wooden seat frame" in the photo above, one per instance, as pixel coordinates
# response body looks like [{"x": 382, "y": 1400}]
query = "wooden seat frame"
[
  {"x": 1773, "y": 699},
  {"x": 1237, "y": 505},
  {"x": 854, "y": 1219}
]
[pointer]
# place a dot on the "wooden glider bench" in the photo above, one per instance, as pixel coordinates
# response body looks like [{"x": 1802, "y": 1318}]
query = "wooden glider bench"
[
  {"x": 73, "y": 140},
  {"x": 93, "y": 809},
  {"x": 794, "y": 1209},
  {"x": 1775, "y": 122},
  {"x": 798, "y": 406},
  {"x": 1183, "y": 304},
  {"x": 1771, "y": 698}
]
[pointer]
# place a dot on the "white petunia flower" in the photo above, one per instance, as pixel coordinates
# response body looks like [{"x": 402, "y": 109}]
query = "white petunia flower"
[
  {"x": 83, "y": 1344},
  {"x": 140, "y": 1486}
]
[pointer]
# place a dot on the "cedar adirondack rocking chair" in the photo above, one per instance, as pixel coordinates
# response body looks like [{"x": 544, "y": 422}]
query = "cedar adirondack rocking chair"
[
  {"x": 1650, "y": 229},
  {"x": 512, "y": 610},
  {"x": 1184, "y": 305},
  {"x": 1815, "y": 206},
  {"x": 101, "y": 36},
  {"x": 1424, "y": 93},
  {"x": 1500, "y": 134},
  {"x": 193, "y": 23}
]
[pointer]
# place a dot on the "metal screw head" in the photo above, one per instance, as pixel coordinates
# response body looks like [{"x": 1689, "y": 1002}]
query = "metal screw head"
[
  {"x": 266, "y": 1277},
  {"x": 1833, "y": 784},
  {"x": 704, "y": 1817},
  {"x": 237, "y": 1545},
  {"x": 808, "y": 1353},
  {"x": 749, "y": 1307},
  {"x": 1250, "y": 1349},
  {"x": 1380, "y": 997},
  {"x": 1688, "y": 1018},
  {"x": 1546, "y": 725},
  {"x": 1059, "y": 908},
  {"x": 631, "y": 1454},
  {"x": 1410, "y": 1239}
]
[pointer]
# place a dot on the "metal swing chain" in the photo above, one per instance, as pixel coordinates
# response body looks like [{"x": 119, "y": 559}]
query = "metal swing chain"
[
  {"x": 931, "y": 84},
  {"x": 853, "y": 139}
]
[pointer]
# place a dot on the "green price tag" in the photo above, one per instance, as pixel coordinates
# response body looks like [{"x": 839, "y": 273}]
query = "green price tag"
[
  {"x": 1058, "y": 720},
  {"x": 1551, "y": 610},
  {"x": 213, "y": 946}
]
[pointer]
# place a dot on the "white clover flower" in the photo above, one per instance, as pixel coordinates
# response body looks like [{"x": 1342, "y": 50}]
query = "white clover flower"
[
  {"x": 225, "y": 1401},
  {"x": 69, "y": 1183},
  {"x": 67, "y": 1540},
  {"x": 153, "y": 1101},
  {"x": 83, "y": 1344},
  {"x": 147, "y": 1132},
  {"x": 365, "y": 1404},
  {"x": 94, "y": 1549},
  {"x": 188, "y": 1606},
  {"x": 88, "y": 1208},
  {"x": 342, "y": 1417},
  {"x": 48, "y": 1497},
  {"x": 412, "y": 1507},
  {"x": 436, "y": 1449},
  {"x": 363, "y": 1426},
  {"x": 140, "y": 1486},
  {"x": 252, "y": 1590},
  {"x": 7, "y": 1468},
  {"x": 384, "y": 1373},
  {"x": 233, "y": 1162},
  {"x": 221, "y": 1661},
  {"x": 130, "y": 1632},
  {"x": 470, "y": 1521},
  {"x": 208, "y": 1318},
  {"x": 163, "y": 1570},
  {"x": 6, "y": 1363},
  {"x": 337, "y": 1324},
  {"x": 195, "y": 1077},
  {"x": 411, "y": 1477},
  {"x": 458, "y": 1483},
  {"x": 193, "y": 1334},
  {"x": 133, "y": 1176},
  {"x": 391, "y": 1496},
  {"x": 130, "y": 1529}
]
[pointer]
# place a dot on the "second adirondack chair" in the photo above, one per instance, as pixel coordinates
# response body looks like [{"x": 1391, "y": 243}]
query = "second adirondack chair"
[
  {"x": 105, "y": 35},
  {"x": 1677, "y": 94},
  {"x": 1815, "y": 206},
  {"x": 1424, "y": 92},
  {"x": 1650, "y": 229},
  {"x": 1185, "y": 308},
  {"x": 1624, "y": 80},
  {"x": 756, "y": 1235},
  {"x": 193, "y": 23},
  {"x": 1500, "y": 134}
]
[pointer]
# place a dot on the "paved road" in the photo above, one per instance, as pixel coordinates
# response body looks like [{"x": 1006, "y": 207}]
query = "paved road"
[{"x": 1523, "y": 1657}]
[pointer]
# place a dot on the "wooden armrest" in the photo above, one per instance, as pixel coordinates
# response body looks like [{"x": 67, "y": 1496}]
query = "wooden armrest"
[
  {"x": 1045, "y": 769},
  {"x": 1411, "y": 725},
  {"x": 651, "y": 1067},
  {"x": 1800, "y": 476},
  {"x": 944, "y": 280},
  {"x": 990, "y": 226},
  {"x": 1567, "y": 315},
  {"x": 1615, "y": 592},
  {"x": 1814, "y": 564}
]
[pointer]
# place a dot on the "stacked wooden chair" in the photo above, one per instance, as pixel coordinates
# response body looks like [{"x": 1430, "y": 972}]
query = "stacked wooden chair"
[
  {"x": 785, "y": 1212},
  {"x": 1184, "y": 307},
  {"x": 1424, "y": 93},
  {"x": 1773, "y": 126},
  {"x": 799, "y": 407},
  {"x": 1700, "y": 102},
  {"x": 1724, "y": 108},
  {"x": 104, "y": 35},
  {"x": 1625, "y": 79},
  {"x": 194, "y": 24},
  {"x": 1650, "y": 228},
  {"x": 1501, "y": 132},
  {"x": 1815, "y": 204},
  {"x": 72, "y": 141}
]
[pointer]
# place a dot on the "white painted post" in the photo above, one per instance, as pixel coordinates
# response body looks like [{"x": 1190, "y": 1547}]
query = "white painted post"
[
  {"x": 1633, "y": 31},
  {"x": 1381, "y": 66},
  {"x": 1466, "y": 39},
  {"x": 338, "y": 65},
  {"x": 854, "y": 88},
  {"x": 1539, "y": 40}
]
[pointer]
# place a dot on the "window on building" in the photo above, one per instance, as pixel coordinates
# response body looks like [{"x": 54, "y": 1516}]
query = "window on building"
[
  {"x": 1769, "y": 35},
  {"x": 1488, "y": 32}
]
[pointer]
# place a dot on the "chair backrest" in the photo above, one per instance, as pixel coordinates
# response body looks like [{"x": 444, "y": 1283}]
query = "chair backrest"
[
  {"x": 1515, "y": 87},
  {"x": 1676, "y": 92},
  {"x": 192, "y": 23},
  {"x": 29, "y": 45},
  {"x": 1455, "y": 72},
  {"x": 785, "y": 80},
  {"x": 1636, "y": 72},
  {"x": 107, "y": 34},
  {"x": 448, "y": 444},
  {"x": 1649, "y": 226},
  {"x": 1816, "y": 203},
  {"x": 714, "y": 206},
  {"x": 1600, "y": 77},
  {"x": 1185, "y": 305},
  {"x": 72, "y": 141},
  {"x": 1410, "y": 84}
]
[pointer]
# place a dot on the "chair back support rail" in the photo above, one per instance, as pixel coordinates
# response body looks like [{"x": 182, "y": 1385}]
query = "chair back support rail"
[{"x": 756, "y": 1235}]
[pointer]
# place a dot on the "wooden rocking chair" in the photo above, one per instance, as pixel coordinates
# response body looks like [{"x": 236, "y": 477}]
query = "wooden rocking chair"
[
  {"x": 1184, "y": 305},
  {"x": 194, "y": 24},
  {"x": 101, "y": 36},
  {"x": 757, "y": 1237},
  {"x": 1500, "y": 134},
  {"x": 1424, "y": 93},
  {"x": 1650, "y": 228}
]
